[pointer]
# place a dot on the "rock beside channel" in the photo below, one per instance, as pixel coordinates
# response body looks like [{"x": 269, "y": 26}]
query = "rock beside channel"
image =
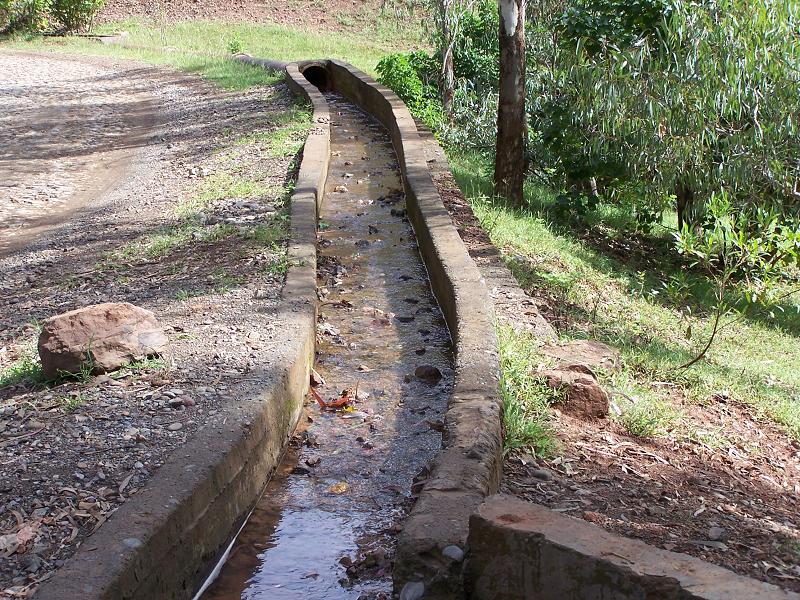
[
  {"x": 102, "y": 338},
  {"x": 584, "y": 397}
]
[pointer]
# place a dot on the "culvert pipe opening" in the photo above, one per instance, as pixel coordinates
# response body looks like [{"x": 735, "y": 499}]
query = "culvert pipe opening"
[{"x": 317, "y": 76}]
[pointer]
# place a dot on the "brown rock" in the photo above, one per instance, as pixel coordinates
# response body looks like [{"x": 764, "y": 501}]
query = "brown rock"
[
  {"x": 428, "y": 373},
  {"x": 584, "y": 397},
  {"x": 595, "y": 355},
  {"x": 103, "y": 336}
]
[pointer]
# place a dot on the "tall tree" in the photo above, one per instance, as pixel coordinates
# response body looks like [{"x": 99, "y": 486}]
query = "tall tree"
[
  {"x": 446, "y": 16},
  {"x": 509, "y": 167}
]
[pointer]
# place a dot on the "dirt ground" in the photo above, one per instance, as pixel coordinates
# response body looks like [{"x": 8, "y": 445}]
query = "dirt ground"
[
  {"x": 327, "y": 15},
  {"x": 72, "y": 452},
  {"x": 731, "y": 499}
]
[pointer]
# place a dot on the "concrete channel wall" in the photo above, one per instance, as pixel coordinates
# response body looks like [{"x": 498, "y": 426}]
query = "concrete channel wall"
[
  {"x": 522, "y": 550},
  {"x": 162, "y": 543}
]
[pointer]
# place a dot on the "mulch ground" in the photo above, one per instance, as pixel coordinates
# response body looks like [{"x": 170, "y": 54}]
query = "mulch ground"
[{"x": 733, "y": 503}]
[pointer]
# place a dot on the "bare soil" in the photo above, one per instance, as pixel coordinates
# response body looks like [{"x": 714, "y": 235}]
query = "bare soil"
[
  {"x": 327, "y": 15},
  {"x": 732, "y": 500},
  {"x": 73, "y": 451}
]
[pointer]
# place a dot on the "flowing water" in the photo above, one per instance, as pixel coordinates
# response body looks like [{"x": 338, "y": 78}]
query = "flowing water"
[{"x": 326, "y": 525}]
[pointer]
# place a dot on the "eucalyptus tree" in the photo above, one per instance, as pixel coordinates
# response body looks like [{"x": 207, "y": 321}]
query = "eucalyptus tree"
[
  {"x": 509, "y": 172},
  {"x": 705, "y": 103}
]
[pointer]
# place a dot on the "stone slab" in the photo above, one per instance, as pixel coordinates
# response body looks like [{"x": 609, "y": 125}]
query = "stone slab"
[{"x": 522, "y": 550}]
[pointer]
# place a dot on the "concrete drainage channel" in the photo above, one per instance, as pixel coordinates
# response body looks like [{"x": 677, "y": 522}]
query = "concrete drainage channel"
[
  {"x": 321, "y": 508},
  {"x": 378, "y": 180}
]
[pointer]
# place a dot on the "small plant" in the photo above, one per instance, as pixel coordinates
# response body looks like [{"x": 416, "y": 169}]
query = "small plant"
[
  {"x": 277, "y": 267},
  {"x": 184, "y": 295},
  {"x": 25, "y": 368},
  {"x": 72, "y": 402},
  {"x": 746, "y": 254},
  {"x": 235, "y": 45},
  {"x": 224, "y": 281},
  {"x": 648, "y": 418}
]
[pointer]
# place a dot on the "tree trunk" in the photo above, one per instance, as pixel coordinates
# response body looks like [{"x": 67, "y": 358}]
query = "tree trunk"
[
  {"x": 684, "y": 200},
  {"x": 509, "y": 168},
  {"x": 446, "y": 17}
]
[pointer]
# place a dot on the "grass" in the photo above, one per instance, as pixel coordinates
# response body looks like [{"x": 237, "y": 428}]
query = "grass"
[
  {"x": 73, "y": 402},
  {"x": 526, "y": 398},
  {"x": 606, "y": 284},
  {"x": 202, "y": 47},
  {"x": 26, "y": 368}
]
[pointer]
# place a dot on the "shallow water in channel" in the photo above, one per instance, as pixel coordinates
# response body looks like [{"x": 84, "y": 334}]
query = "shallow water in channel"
[{"x": 327, "y": 523}]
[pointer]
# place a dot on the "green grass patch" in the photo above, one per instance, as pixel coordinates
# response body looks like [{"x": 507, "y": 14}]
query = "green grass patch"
[
  {"x": 656, "y": 313},
  {"x": 72, "y": 402},
  {"x": 526, "y": 396},
  {"x": 26, "y": 369},
  {"x": 203, "y": 47}
]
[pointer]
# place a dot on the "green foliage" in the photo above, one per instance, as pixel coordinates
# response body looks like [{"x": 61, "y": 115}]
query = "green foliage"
[
  {"x": 235, "y": 45},
  {"x": 648, "y": 419},
  {"x": 526, "y": 397},
  {"x": 601, "y": 23},
  {"x": 69, "y": 16},
  {"x": 411, "y": 75},
  {"x": 75, "y": 15},
  {"x": 749, "y": 251},
  {"x": 26, "y": 368},
  {"x": 24, "y": 15},
  {"x": 417, "y": 78},
  {"x": 708, "y": 104},
  {"x": 476, "y": 55},
  {"x": 636, "y": 299}
]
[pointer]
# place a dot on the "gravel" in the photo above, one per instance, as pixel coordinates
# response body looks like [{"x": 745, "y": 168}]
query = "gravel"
[{"x": 73, "y": 452}]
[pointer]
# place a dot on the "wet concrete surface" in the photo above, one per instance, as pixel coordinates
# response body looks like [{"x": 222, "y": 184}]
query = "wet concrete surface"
[{"x": 326, "y": 525}]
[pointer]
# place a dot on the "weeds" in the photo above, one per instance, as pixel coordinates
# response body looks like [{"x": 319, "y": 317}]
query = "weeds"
[
  {"x": 525, "y": 395},
  {"x": 26, "y": 368},
  {"x": 72, "y": 402}
]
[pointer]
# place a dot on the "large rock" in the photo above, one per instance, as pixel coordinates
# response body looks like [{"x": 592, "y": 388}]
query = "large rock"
[
  {"x": 522, "y": 550},
  {"x": 584, "y": 397},
  {"x": 595, "y": 355},
  {"x": 102, "y": 337}
]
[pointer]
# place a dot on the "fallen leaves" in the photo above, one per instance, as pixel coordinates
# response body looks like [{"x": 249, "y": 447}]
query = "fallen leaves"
[
  {"x": 339, "y": 488},
  {"x": 19, "y": 540},
  {"x": 346, "y": 398}
]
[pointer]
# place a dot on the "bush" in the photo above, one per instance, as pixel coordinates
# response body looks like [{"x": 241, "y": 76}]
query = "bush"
[
  {"x": 416, "y": 78},
  {"x": 75, "y": 15},
  {"x": 23, "y": 15},
  {"x": 69, "y": 16},
  {"x": 403, "y": 72}
]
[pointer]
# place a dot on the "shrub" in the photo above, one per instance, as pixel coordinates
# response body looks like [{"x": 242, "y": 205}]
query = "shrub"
[
  {"x": 403, "y": 72},
  {"x": 68, "y": 16},
  {"x": 23, "y": 15},
  {"x": 75, "y": 15}
]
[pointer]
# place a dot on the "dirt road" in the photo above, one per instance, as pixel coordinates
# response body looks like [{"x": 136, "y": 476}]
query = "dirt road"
[{"x": 68, "y": 130}]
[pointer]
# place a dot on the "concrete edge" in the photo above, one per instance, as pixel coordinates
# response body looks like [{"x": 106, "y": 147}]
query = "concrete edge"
[
  {"x": 519, "y": 549},
  {"x": 468, "y": 467},
  {"x": 163, "y": 542}
]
